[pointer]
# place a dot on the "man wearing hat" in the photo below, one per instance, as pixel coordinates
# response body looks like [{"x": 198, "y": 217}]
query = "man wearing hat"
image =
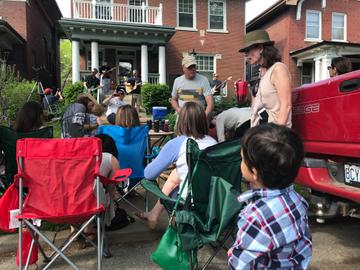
[
  {"x": 50, "y": 99},
  {"x": 271, "y": 96},
  {"x": 114, "y": 102},
  {"x": 191, "y": 87}
]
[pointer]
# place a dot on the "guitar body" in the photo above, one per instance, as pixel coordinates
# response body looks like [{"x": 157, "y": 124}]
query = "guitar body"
[{"x": 129, "y": 88}]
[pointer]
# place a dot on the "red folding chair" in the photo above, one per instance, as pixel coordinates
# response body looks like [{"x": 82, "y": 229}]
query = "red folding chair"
[{"x": 59, "y": 175}]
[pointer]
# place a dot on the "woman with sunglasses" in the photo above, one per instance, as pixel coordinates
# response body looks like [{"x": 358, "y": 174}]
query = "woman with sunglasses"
[
  {"x": 114, "y": 102},
  {"x": 271, "y": 97}
]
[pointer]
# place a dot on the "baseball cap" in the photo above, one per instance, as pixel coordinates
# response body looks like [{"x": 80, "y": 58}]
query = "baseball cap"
[
  {"x": 120, "y": 90},
  {"x": 48, "y": 91},
  {"x": 188, "y": 61}
]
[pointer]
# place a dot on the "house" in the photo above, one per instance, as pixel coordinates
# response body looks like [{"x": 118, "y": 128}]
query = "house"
[
  {"x": 30, "y": 34},
  {"x": 309, "y": 33},
  {"x": 153, "y": 35}
]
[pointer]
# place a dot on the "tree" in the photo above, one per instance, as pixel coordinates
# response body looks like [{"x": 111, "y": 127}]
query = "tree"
[{"x": 65, "y": 61}]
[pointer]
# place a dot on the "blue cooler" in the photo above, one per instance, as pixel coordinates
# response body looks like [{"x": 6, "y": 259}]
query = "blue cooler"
[{"x": 159, "y": 113}]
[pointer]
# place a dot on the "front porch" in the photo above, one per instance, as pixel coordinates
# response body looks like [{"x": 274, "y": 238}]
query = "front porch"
[{"x": 126, "y": 46}]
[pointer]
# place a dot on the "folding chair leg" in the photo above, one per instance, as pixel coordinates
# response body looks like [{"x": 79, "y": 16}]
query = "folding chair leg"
[
  {"x": 100, "y": 242},
  {"x": 123, "y": 197},
  {"x": 59, "y": 253},
  {"x": 221, "y": 244},
  {"x": 29, "y": 255}
]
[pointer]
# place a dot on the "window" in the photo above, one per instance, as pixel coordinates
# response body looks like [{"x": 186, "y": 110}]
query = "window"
[
  {"x": 103, "y": 9},
  {"x": 313, "y": 24},
  {"x": 205, "y": 65},
  {"x": 307, "y": 73},
  {"x": 217, "y": 15},
  {"x": 186, "y": 11},
  {"x": 89, "y": 59},
  {"x": 338, "y": 26},
  {"x": 136, "y": 2}
]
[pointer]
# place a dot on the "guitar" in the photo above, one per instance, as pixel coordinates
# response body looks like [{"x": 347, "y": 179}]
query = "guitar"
[
  {"x": 217, "y": 87},
  {"x": 107, "y": 72},
  {"x": 89, "y": 90},
  {"x": 129, "y": 88}
]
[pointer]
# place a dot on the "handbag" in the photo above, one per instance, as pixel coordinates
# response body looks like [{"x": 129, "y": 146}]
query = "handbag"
[
  {"x": 9, "y": 201},
  {"x": 121, "y": 219},
  {"x": 168, "y": 254},
  {"x": 28, "y": 247}
]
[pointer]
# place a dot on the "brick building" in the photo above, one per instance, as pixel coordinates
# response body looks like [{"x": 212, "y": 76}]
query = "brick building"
[
  {"x": 152, "y": 36},
  {"x": 309, "y": 33},
  {"x": 30, "y": 33}
]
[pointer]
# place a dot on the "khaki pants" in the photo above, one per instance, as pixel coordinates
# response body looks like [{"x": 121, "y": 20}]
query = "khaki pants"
[{"x": 136, "y": 100}]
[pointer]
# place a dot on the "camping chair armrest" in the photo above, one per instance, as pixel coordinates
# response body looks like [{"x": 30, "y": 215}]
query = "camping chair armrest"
[
  {"x": 153, "y": 187},
  {"x": 118, "y": 177},
  {"x": 154, "y": 152}
]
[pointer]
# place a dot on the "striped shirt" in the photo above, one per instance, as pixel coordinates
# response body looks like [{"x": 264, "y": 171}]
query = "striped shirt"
[{"x": 273, "y": 231}]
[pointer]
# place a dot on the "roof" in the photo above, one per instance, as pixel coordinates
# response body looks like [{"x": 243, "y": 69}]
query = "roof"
[
  {"x": 269, "y": 13},
  {"x": 322, "y": 45},
  {"x": 9, "y": 36}
]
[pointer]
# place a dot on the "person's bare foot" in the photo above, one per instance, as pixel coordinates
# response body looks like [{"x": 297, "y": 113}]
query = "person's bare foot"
[{"x": 148, "y": 218}]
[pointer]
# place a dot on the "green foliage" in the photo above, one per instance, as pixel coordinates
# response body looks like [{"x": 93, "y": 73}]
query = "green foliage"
[
  {"x": 8, "y": 75},
  {"x": 65, "y": 61},
  {"x": 16, "y": 94},
  {"x": 172, "y": 120},
  {"x": 70, "y": 92},
  {"x": 155, "y": 95},
  {"x": 223, "y": 104}
]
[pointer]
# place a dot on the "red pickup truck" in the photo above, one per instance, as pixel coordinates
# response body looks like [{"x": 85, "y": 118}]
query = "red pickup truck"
[{"x": 326, "y": 114}]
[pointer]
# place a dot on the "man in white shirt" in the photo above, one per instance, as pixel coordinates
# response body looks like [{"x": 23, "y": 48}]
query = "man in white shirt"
[{"x": 230, "y": 120}]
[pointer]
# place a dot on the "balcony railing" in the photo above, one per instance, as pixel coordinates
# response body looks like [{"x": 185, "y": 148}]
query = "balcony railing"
[
  {"x": 87, "y": 9},
  {"x": 153, "y": 78}
]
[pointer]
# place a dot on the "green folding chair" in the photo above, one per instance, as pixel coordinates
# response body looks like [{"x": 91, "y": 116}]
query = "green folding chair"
[
  {"x": 209, "y": 214},
  {"x": 8, "y": 138}
]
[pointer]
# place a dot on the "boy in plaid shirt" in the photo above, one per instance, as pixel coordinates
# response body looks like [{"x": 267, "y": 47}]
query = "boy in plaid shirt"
[{"x": 273, "y": 227}]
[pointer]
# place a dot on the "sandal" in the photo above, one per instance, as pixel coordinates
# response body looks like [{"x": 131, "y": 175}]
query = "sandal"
[{"x": 151, "y": 224}]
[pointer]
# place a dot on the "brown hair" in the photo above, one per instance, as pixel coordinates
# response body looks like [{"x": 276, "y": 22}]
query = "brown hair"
[
  {"x": 30, "y": 117},
  {"x": 192, "y": 121},
  {"x": 127, "y": 116},
  {"x": 97, "y": 110},
  {"x": 84, "y": 100},
  {"x": 270, "y": 55},
  {"x": 342, "y": 65}
]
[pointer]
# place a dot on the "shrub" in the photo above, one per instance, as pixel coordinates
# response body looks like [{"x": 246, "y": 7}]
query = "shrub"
[
  {"x": 70, "y": 92},
  {"x": 155, "y": 95},
  {"x": 172, "y": 120},
  {"x": 8, "y": 75},
  {"x": 16, "y": 94},
  {"x": 223, "y": 104}
]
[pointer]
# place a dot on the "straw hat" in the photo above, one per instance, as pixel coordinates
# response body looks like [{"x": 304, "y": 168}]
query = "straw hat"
[{"x": 256, "y": 37}]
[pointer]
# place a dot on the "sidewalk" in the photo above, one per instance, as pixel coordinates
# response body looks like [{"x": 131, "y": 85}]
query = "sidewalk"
[{"x": 131, "y": 246}]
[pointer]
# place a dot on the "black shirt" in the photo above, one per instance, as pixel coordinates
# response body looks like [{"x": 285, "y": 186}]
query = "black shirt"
[
  {"x": 92, "y": 81},
  {"x": 105, "y": 69}
]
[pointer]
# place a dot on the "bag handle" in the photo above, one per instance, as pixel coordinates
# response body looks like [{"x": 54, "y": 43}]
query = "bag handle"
[{"x": 177, "y": 202}]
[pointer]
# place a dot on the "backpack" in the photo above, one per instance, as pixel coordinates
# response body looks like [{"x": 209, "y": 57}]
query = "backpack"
[{"x": 121, "y": 219}]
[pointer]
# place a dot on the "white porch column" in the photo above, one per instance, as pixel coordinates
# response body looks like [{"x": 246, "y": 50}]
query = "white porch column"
[
  {"x": 318, "y": 72},
  {"x": 94, "y": 55},
  {"x": 162, "y": 65},
  {"x": 144, "y": 64},
  {"x": 326, "y": 61},
  {"x": 75, "y": 61}
]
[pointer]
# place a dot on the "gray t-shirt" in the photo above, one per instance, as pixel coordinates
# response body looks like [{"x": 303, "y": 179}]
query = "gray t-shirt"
[
  {"x": 73, "y": 120},
  {"x": 191, "y": 90}
]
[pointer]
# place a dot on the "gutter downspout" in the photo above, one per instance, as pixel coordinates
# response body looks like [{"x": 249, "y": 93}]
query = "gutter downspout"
[{"x": 298, "y": 10}]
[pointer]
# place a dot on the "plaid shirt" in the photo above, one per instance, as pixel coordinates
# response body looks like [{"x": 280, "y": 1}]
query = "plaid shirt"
[{"x": 273, "y": 231}]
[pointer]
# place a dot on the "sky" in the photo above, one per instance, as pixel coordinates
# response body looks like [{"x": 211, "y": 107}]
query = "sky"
[{"x": 253, "y": 7}]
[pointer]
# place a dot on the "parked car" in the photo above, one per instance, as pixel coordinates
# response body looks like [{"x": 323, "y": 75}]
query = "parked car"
[{"x": 326, "y": 114}]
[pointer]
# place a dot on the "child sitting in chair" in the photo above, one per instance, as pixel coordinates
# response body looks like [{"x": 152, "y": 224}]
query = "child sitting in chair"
[{"x": 273, "y": 227}]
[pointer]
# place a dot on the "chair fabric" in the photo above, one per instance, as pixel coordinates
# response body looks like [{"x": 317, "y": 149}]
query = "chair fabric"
[
  {"x": 8, "y": 138},
  {"x": 131, "y": 144},
  {"x": 59, "y": 174},
  {"x": 211, "y": 207}
]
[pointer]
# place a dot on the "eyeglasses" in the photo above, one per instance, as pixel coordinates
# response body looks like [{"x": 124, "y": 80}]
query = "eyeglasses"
[{"x": 330, "y": 67}]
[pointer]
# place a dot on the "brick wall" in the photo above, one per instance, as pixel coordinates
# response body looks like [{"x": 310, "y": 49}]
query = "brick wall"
[
  {"x": 31, "y": 23},
  {"x": 289, "y": 34}
]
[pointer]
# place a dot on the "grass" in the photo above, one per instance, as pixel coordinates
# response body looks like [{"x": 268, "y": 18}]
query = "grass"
[{"x": 56, "y": 128}]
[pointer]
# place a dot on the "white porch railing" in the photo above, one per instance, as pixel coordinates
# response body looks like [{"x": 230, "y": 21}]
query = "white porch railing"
[
  {"x": 153, "y": 78},
  {"x": 87, "y": 9}
]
